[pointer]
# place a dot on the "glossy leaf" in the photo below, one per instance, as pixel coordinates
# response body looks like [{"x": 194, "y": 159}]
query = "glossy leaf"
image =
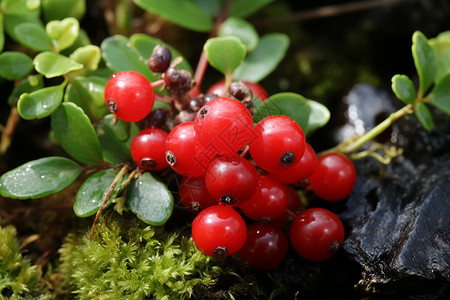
[
  {"x": 59, "y": 9},
  {"x": 403, "y": 88},
  {"x": 291, "y": 105},
  {"x": 423, "y": 114},
  {"x": 11, "y": 21},
  {"x": 89, "y": 56},
  {"x": 441, "y": 45},
  {"x": 150, "y": 199},
  {"x": 318, "y": 116},
  {"x": 264, "y": 59},
  {"x": 185, "y": 13},
  {"x": 15, "y": 65},
  {"x": 440, "y": 96},
  {"x": 40, "y": 103},
  {"x": 225, "y": 53},
  {"x": 63, "y": 33},
  {"x": 91, "y": 193},
  {"x": 2, "y": 34},
  {"x": 241, "y": 29},
  {"x": 52, "y": 65},
  {"x": 39, "y": 178},
  {"x": 74, "y": 131},
  {"x": 425, "y": 61},
  {"x": 244, "y": 8},
  {"x": 33, "y": 36},
  {"x": 27, "y": 85}
]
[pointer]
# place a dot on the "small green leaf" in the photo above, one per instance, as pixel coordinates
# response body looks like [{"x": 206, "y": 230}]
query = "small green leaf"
[
  {"x": 18, "y": 7},
  {"x": 2, "y": 33},
  {"x": 41, "y": 103},
  {"x": 28, "y": 85},
  {"x": 264, "y": 59},
  {"x": 403, "y": 88},
  {"x": 11, "y": 21},
  {"x": 423, "y": 114},
  {"x": 225, "y": 53},
  {"x": 291, "y": 105},
  {"x": 441, "y": 45},
  {"x": 244, "y": 8},
  {"x": 52, "y": 65},
  {"x": 440, "y": 96},
  {"x": 39, "y": 178},
  {"x": 150, "y": 199},
  {"x": 15, "y": 65},
  {"x": 89, "y": 56},
  {"x": 63, "y": 33},
  {"x": 185, "y": 13},
  {"x": 318, "y": 117},
  {"x": 91, "y": 193},
  {"x": 75, "y": 133},
  {"x": 33, "y": 36},
  {"x": 241, "y": 29},
  {"x": 425, "y": 61},
  {"x": 59, "y": 9}
]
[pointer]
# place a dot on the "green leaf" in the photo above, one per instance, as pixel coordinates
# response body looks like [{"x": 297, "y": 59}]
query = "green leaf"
[
  {"x": 241, "y": 29},
  {"x": 11, "y": 21},
  {"x": 244, "y": 8},
  {"x": 63, "y": 33},
  {"x": 15, "y": 65},
  {"x": 59, "y": 9},
  {"x": 425, "y": 61},
  {"x": 75, "y": 133},
  {"x": 150, "y": 199},
  {"x": 403, "y": 88},
  {"x": 40, "y": 103},
  {"x": 225, "y": 53},
  {"x": 291, "y": 105},
  {"x": 28, "y": 85},
  {"x": 2, "y": 34},
  {"x": 318, "y": 117},
  {"x": 441, "y": 45},
  {"x": 91, "y": 193},
  {"x": 264, "y": 59},
  {"x": 52, "y": 65},
  {"x": 89, "y": 56},
  {"x": 440, "y": 96},
  {"x": 39, "y": 178},
  {"x": 33, "y": 36},
  {"x": 18, "y": 7},
  {"x": 88, "y": 93},
  {"x": 423, "y": 114},
  {"x": 185, "y": 13}
]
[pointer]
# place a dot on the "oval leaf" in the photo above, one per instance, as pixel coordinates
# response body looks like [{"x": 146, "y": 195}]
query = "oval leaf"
[
  {"x": 318, "y": 117},
  {"x": 441, "y": 45},
  {"x": 18, "y": 7},
  {"x": 15, "y": 65},
  {"x": 75, "y": 133},
  {"x": 244, "y": 8},
  {"x": 264, "y": 59},
  {"x": 33, "y": 36},
  {"x": 425, "y": 61},
  {"x": 423, "y": 114},
  {"x": 39, "y": 178},
  {"x": 91, "y": 193},
  {"x": 89, "y": 56},
  {"x": 63, "y": 33},
  {"x": 59, "y": 9},
  {"x": 41, "y": 103},
  {"x": 403, "y": 88},
  {"x": 150, "y": 199},
  {"x": 291, "y": 105},
  {"x": 52, "y": 65},
  {"x": 440, "y": 96},
  {"x": 225, "y": 53},
  {"x": 241, "y": 29},
  {"x": 30, "y": 84}
]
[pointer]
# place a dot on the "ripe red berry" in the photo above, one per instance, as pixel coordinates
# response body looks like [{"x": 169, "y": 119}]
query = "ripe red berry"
[
  {"x": 257, "y": 90},
  {"x": 266, "y": 246},
  {"x": 294, "y": 206},
  {"x": 279, "y": 142},
  {"x": 224, "y": 125},
  {"x": 334, "y": 177},
  {"x": 147, "y": 149},
  {"x": 316, "y": 234},
  {"x": 129, "y": 96},
  {"x": 231, "y": 180},
  {"x": 194, "y": 195},
  {"x": 160, "y": 59},
  {"x": 219, "y": 231}
]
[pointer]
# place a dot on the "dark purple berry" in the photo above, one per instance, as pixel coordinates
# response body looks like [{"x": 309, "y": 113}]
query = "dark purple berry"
[
  {"x": 240, "y": 91},
  {"x": 160, "y": 59},
  {"x": 178, "y": 81}
]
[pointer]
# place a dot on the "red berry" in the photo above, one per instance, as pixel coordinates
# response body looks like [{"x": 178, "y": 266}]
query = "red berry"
[
  {"x": 269, "y": 201},
  {"x": 257, "y": 90},
  {"x": 219, "y": 231},
  {"x": 334, "y": 177},
  {"x": 224, "y": 125},
  {"x": 300, "y": 169},
  {"x": 316, "y": 234},
  {"x": 266, "y": 246},
  {"x": 194, "y": 195},
  {"x": 279, "y": 142},
  {"x": 294, "y": 205},
  {"x": 147, "y": 149},
  {"x": 231, "y": 180},
  {"x": 129, "y": 96},
  {"x": 184, "y": 152}
]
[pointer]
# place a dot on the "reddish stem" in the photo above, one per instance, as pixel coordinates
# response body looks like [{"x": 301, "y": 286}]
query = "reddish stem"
[
  {"x": 291, "y": 213},
  {"x": 162, "y": 99},
  {"x": 157, "y": 83}
]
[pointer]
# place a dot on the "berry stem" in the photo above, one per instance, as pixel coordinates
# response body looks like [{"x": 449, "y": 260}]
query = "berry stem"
[
  {"x": 162, "y": 99},
  {"x": 157, "y": 83}
]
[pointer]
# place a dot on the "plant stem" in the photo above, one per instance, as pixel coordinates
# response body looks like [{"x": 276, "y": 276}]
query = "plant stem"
[{"x": 8, "y": 132}]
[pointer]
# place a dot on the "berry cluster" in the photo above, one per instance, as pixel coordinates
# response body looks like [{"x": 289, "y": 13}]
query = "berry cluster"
[{"x": 236, "y": 176}]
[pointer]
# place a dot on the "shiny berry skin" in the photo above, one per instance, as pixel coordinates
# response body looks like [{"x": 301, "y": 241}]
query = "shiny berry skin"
[
  {"x": 279, "y": 142},
  {"x": 194, "y": 195},
  {"x": 334, "y": 177},
  {"x": 257, "y": 90},
  {"x": 177, "y": 81},
  {"x": 129, "y": 96},
  {"x": 224, "y": 125},
  {"x": 147, "y": 149},
  {"x": 269, "y": 201},
  {"x": 160, "y": 59},
  {"x": 316, "y": 234},
  {"x": 231, "y": 180},
  {"x": 219, "y": 230},
  {"x": 300, "y": 169},
  {"x": 184, "y": 152},
  {"x": 266, "y": 246},
  {"x": 294, "y": 206}
]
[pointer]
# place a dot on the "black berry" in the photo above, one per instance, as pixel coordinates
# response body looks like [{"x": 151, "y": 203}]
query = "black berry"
[{"x": 160, "y": 59}]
